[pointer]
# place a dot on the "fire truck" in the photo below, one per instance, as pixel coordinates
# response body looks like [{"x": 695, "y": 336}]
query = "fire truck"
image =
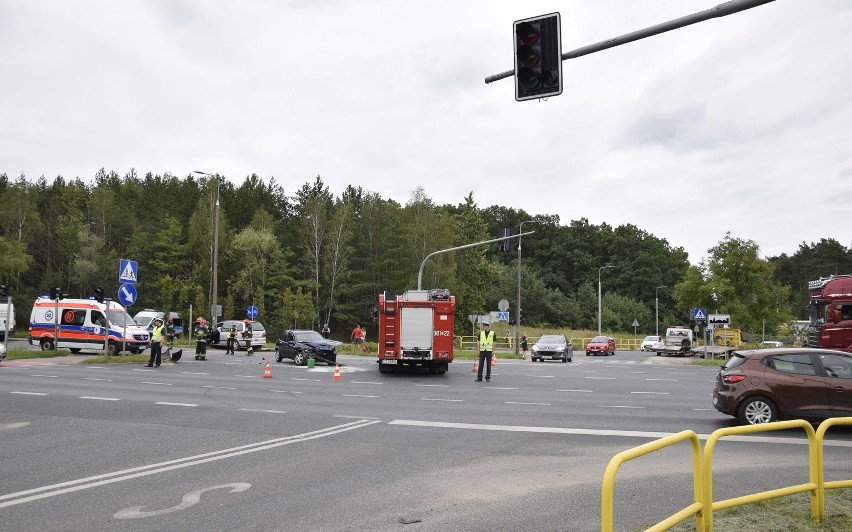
[
  {"x": 416, "y": 329},
  {"x": 831, "y": 313}
]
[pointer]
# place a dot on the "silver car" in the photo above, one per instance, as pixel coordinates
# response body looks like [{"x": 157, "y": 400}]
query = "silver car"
[{"x": 552, "y": 347}]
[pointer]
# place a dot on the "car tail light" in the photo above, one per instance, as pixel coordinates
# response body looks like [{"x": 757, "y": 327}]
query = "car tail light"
[{"x": 733, "y": 379}]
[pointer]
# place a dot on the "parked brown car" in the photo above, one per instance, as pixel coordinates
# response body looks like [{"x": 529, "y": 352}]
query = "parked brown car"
[{"x": 770, "y": 384}]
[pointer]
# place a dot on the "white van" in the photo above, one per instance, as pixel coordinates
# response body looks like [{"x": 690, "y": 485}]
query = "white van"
[
  {"x": 82, "y": 326},
  {"x": 3, "y": 320}
]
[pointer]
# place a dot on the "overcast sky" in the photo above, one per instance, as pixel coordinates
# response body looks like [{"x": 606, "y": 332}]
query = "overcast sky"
[{"x": 737, "y": 124}]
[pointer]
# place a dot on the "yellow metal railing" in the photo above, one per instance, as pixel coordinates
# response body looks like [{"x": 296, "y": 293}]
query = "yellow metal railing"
[
  {"x": 704, "y": 506},
  {"x": 656, "y": 445},
  {"x": 505, "y": 343}
]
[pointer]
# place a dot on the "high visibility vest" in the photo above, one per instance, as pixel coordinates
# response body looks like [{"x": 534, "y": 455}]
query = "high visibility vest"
[
  {"x": 232, "y": 333},
  {"x": 486, "y": 341},
  {"x": 157, "y": 334}
]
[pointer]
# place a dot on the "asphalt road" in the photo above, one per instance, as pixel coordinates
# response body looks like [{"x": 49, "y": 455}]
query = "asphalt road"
[{"x": 213, "y": 445}]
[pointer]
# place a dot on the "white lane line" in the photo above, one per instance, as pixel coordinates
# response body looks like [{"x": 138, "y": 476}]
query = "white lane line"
[
  {"x": 101, "y": 398},
  {"x": 193, "y": 373},
  {"x": 666, "y": 380},
  {"x": 520, "y": 403},
  {"x": 542, "y": 376},
  {"x": 582, "y": 391},
  {"x": 500, "y": 388},
  {"x": 601, "y": 378},
  {"x": 156, "y": 383},
  {"x": 637, "y": 372},
  {"x": 366, "y": 396},
  {"x": 433, "y": 385},
  {"x": 366, "y": 382},
  {"x": 174, "y": 404},
  {"x": 46, "y": 376},
  {"x": 622, "y": 406},
  {"x": 260, "y": 410},
  {"x": 29, "y": 393},
  {"x": 94, "y": 379},
  {"x": 284, "y": 391},
  {"x": 162, "y": 467},
  {"x": 248, "y": 376},
  {"x": 703, "y": 409},
  {"x": 96, "y": 367},
  {"x": 219, "y": 387},
  {"x": 362, "y": 418},
  {"x": 444, "y": 400},
  {"x": 652, "y": 393},
  {"x": 297, "y": 379}
]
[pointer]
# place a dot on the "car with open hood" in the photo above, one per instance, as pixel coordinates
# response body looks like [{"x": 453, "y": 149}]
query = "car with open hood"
[{"x": 301, "y": 345}]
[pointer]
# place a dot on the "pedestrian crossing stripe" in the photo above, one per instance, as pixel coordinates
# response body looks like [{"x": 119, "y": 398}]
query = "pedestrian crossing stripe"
[{"x": 128, "y": 274}]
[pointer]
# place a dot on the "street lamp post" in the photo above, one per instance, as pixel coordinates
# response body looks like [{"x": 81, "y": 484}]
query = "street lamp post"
[
  {"x": 599, "y": 294},
  {"x": 213, "y": 307},
  {"x": 518, "y": 301},
  {"x": 657, "y": 306}
]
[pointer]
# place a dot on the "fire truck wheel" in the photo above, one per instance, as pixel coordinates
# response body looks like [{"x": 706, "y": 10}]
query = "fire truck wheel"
[{"x": 46, "y": 344}]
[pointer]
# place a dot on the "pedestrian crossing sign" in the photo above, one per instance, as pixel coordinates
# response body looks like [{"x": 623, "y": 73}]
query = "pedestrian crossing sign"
[
  {"x": 699, "y": 314},
  {"x": 127, "y": 271}
]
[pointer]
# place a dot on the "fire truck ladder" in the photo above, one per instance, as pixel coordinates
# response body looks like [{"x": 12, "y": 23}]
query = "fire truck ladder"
[{"x": 391, "y": 319}]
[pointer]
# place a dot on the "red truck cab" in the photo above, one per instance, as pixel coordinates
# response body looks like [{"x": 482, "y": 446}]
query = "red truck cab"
[{"x": 831, "y": 313}]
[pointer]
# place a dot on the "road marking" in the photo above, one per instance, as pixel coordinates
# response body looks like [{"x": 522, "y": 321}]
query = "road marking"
[
  {"x": 15, "y": 425},
  {"x": 297, "y": 379},
  {"x": 444, "y": 400},
  {"x": 500, "y": 388},
  {"x": 190, "y": 499},
  {"x": 248, "y": 376},
  {"x": 637, "y": 372},
  {"x": 219, "y": 387},
  {"x": 520, "y": 403},
  {"x": 46, "y": 376},
  {"x": 366, "y": 396},
  {"x": 653, "y": 393},
  {"x": 29, "y": 393},
  {"x": 434, "y": 385},
  {"x": 193, "y": 373},
  {"x": 101, "y": 398},
  {"x": 583, "y": 391},
  {"x": 667, "y": 380},
  {"x": 285, "y": 391},
  {"x": 703, "y": 409},
  {"x": 542, "y": 376},
  {"x": 156, "y": 383},
  {"x": 140, "y": 369},
  {"x": 94, "y": 379},
  {"x": 261, "y": 410},
  {"x": 366, "y": 382},
  {"x": 623, "y": 406},
  {"x": 174, "y": 404},
  {"x": 43, "y": 492},
  {"x": 601, "y": 378}
]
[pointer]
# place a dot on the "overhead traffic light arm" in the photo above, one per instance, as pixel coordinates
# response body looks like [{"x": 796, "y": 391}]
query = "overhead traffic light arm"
[{"x": 721, "y": 10}]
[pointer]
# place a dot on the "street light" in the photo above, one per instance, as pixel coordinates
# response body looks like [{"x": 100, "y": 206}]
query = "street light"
[
  {"x": 213, "y": 314},
  {"x": 599, "y": 294},
  {"x": 518, "y": 306},
  {"x": 657, "y": 306}
]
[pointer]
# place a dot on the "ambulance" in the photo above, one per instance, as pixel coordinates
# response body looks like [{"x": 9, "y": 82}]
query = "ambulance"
[{"x": 81, "y": 325}]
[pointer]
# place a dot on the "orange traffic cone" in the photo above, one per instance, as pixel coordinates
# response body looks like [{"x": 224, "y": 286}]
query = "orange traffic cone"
[
  {"x": 475, "y": 366},
  {"x": 267, "y": 373},
  {"x": 337, "y": 372},
  {"x": 493, "y": 359}
]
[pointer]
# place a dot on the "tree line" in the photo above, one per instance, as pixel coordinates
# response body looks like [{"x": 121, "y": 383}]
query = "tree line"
[{"x": 308, "y": 257}]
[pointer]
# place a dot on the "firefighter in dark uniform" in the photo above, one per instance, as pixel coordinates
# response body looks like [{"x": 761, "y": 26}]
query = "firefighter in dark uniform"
[
  {"x": 485, "y": 346},
  {"x": 247, "y": 337},
  {"x": 232, "y": 340},
  {"x": 201, "y": 339},
  {"x": 170, "y": 333}
]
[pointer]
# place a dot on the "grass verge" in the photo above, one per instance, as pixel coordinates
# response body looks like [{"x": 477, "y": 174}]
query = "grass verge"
[
  {"x": 787, "y": 514},
  {"x": 121, "y": 359},
  {"x": 23, "y": 354}
]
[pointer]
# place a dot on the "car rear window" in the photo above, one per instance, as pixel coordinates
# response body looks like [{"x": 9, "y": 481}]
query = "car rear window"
[
  {"x": 257, "y": 326},
  {"x": 735, "y": 360}
]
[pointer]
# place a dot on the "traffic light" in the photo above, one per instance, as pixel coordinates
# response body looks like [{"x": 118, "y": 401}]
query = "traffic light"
[
  {"x": 186, "y": 304},
  {"x": 4, "y": 290},
  {"x": 538, "y": 57},
  {"x": 505, "y": 245},
  {"x": 99, "y": 294},
  {"x": 54, "y": 293}
]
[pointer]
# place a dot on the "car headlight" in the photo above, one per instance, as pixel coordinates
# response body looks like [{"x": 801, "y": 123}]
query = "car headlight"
[
  {"x": 560, "y": 348},
  {"x": 535, "y": 348}
]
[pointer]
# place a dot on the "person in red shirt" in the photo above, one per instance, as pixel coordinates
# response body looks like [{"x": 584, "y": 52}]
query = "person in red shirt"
[{"x": 358, "y": 335}]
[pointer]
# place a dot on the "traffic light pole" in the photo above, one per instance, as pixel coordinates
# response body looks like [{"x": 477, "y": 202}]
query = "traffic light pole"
[
  {"x": 8, "y": 317},
  {"x": 721, "y": 10}
]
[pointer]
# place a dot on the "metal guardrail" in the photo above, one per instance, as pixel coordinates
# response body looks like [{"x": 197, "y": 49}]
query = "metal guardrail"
[
  {"x": 704, "y": 506},
  {"x": 507, "y": 343}
]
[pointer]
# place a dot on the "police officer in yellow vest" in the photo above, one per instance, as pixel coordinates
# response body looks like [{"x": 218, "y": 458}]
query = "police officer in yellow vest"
[
  {"x": 485, "y": 346},
  {"x": 156, "y": 343}
]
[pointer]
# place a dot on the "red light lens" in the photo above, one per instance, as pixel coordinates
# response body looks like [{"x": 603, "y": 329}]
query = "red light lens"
[{"x": 733, "y": 379}]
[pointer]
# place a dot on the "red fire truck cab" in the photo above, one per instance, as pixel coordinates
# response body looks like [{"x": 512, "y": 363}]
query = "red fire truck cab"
[
  {"x": 416, "y": 329},
  {"x": 831, "y": 313}
]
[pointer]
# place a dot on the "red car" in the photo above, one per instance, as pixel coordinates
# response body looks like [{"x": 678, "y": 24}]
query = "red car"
[
  {"x": 769, "y": 384},
  {"x": 601, "y": 345}
]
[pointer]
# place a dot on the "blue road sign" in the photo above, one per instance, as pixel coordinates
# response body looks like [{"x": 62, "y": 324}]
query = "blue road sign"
[
  {"x": 127, "y": 271},
  {"x": 127, "y": 294},
  {"x": 699, "y": 314},
  {"x": 503, "y": 317},
  {"x": 252, "y": 312}
]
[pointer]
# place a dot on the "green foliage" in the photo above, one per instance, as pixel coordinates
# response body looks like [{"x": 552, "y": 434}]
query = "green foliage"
[{"x": 13, "y": 258}]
